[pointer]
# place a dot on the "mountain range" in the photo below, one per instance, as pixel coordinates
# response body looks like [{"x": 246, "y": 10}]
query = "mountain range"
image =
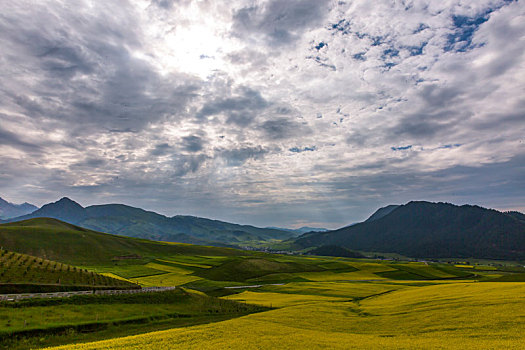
[
  {"x": 135, "y": 222},
  {"x": 11, "y": 210},
  {"x": 431, "y": 230},
  {"x": 417, "y": 229}
]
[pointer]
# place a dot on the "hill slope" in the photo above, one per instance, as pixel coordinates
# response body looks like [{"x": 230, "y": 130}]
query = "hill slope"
[
  {"x": 382, "y": 212},
  {"x": 10, "y": 210},
  {"x": 432, "y": 230},
  {"x": 56, "y": 240},
  {"x": 335, "y": 250},
  {"x": 23, "y": 273},
  {"x": 135, "y": 222}
]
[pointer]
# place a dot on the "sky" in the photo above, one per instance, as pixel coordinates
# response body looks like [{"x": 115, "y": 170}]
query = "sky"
[{"x": 272, "y": 113}]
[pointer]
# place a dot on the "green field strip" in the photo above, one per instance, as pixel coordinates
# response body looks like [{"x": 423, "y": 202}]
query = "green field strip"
[{"x": 174, "y": 263}]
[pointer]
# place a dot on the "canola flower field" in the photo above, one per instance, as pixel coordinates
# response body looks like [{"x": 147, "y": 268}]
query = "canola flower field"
[
  {"x": 444, "y": 316},
  {"x": 345, "y": 304}
]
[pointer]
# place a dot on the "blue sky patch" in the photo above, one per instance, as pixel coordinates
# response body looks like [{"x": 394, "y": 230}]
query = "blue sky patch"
[
  {"x": 320, "y": 46},
  {"x": 401, "y": 148},
  {"x": 304, "y": 149}
]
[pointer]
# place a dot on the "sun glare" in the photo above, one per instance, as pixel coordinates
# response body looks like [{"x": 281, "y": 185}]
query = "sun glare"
[{"x": 197, "y": 47}]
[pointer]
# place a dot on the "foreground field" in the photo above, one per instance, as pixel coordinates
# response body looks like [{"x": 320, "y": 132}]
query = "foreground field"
[
  {"x": 443, "y": 316},
  {"x": 35, "y": 322}
]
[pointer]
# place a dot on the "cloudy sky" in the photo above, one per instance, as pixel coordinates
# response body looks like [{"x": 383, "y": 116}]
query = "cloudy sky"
[{"x": 282, "y": 113}]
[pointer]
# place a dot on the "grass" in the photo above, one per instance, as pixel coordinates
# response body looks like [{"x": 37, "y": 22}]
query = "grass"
[
  {"x": 242, "y": 269},
  {"x": 515, "y": 277},
  {"x": 421, "y": 271},
  {"x": 36, "y": 319}
]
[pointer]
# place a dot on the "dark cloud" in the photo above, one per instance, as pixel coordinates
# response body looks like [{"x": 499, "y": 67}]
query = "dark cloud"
[
  {"x": 8, "y": 138},
  {"x": 161, "y": 149},
  {"x": 283, "y": 128},
  {"x": 193, "y": 143},
  {"x": 240, "y": 109},
  {"x": 357, "y": 138},
  {"x": 498, "y": 120},
  {"x": 441, "y": 110},
  {"x": 424, "y": 124},
  {"x": 436, "y": 96},
  {"x": 165, "y": 4},
  {"x": 238, "y": 156},
  {"x": 185, "y": 164},
  {"x": 280, "y": 22},
  {"x": 90, "y": 163}
]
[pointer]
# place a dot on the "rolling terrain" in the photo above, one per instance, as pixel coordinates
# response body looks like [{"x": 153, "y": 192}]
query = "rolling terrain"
[
  {"x": 228, "y": 298},
  {"x": 357, "y": 316},
  {"x": 135, "y": 222},
  {"x": 431, "y": 230},
  {"x": 56, "y": 240}
]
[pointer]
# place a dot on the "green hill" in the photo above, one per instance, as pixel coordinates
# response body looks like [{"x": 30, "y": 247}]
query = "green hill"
[
  {"x": 24, "y": 273},
  {"x": 56, "y": 240}
]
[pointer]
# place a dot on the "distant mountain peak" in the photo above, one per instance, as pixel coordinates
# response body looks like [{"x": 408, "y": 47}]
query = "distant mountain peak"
[
  {"x": 64, "y": 209},
  {"x": 432, "y": 230},
  {"x": 65, "y": 202},
  {"x": 10, "y": 210}
]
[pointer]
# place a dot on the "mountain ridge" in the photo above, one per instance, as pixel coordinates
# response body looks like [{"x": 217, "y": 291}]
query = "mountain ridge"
[
  {"x": 10, "y": 210},
  {"x": 129, "y": 221},
  {"x": 431, "y": 230}
]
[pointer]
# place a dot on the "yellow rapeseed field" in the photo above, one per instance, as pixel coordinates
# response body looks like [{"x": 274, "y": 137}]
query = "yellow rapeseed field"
[{"x": 443, "y": 316}]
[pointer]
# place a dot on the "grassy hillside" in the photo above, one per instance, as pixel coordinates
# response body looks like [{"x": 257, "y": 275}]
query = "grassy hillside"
[
  {"x": 335, "y": 250},
  {"x": 33, "y": 323},
  {"x": 25, "y": 273},
  {"x": 56, "y": 240}
]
